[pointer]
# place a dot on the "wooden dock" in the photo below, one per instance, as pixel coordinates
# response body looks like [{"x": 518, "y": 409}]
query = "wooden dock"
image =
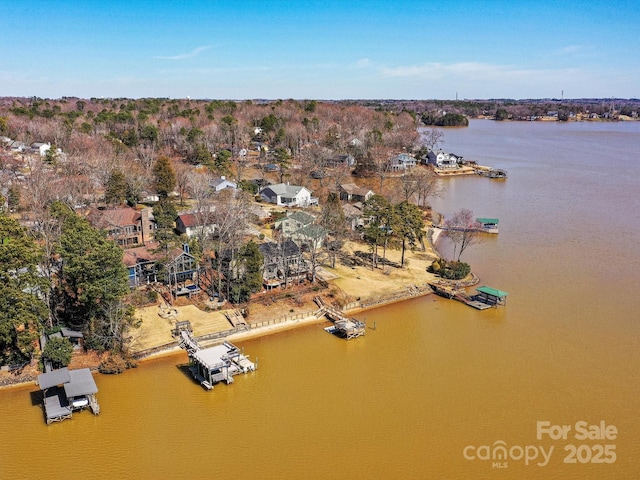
[
  {"x": 486, "y": 297},
  {"x": 343, "y": 327},
  {"x": 212, "y": 365}
]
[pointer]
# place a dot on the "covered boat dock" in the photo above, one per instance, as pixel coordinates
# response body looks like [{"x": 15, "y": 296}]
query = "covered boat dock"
[
  {"x": 488, "y": 225},
  {"x": 67, "y": 390},
  {"x": 490, "y": 296},
  {"x": 212, "y": 365}
]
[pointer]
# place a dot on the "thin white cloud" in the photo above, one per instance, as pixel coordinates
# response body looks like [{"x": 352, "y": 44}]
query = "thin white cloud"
[
  {"x": 471, "y": 71},
  {"x": 571, "y": 49},
  {"x": 363, "y": 63},
  {"x": 194, "y": 53}
]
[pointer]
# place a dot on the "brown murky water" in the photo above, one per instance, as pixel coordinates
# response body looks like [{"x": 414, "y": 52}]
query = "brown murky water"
[{"x": 436, "y": 379}]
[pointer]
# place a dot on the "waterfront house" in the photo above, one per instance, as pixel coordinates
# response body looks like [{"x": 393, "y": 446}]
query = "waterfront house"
[
  {"x": 443, "y": 160},
  {"x": 75, "y": 337},
  {"x": 310, "y": 237},
  {"x": 126, "y": 226},
  {"x": 300, "y": 227},
  {"x": 141, "y": 262},
  {"x": 181, "y": 266},
  {"x": 283, "y": 262},
  {"x": 402, "y": 161},
  {"x": 286, "y": 195},
  {"x": 350, "y": 192}
]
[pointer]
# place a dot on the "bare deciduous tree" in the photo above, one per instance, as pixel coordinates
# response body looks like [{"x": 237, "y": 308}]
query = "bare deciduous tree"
[
  {"x": 463, "y": 231},
  {"x": 432, "y": 137},
  {"x": 428, "y": 185}
]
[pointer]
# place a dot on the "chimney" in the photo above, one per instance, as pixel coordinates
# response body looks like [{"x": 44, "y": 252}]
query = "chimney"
[{"x": 145, "y": 225}]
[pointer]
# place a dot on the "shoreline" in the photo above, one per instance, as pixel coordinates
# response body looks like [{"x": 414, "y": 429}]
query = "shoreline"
[
  {"x": 397, "y": 287},
  {"x": 286, "y": 325},
  {"x": 259, "y": 332}
]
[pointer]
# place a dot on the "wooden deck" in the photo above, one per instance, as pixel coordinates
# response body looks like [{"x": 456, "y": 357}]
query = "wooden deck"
[{"x": 343, "y": 327}]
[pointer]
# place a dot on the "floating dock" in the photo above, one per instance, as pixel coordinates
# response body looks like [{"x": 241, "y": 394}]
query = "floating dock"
[
  {"x": 212, "y": 365},
  {"x": 490, "y": 172}
]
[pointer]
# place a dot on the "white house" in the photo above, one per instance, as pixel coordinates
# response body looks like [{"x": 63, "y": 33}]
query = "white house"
[
  {"x": 191, "y": 224},
  {"x": 221, "y": 183},
  {"x": 443, "y": 160},
  {"x": 40, "y": 148},
  {"x": 288, "y": 195}
]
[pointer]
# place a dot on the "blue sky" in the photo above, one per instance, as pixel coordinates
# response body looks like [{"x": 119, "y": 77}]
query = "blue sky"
[{"x": 243, "y": 49}]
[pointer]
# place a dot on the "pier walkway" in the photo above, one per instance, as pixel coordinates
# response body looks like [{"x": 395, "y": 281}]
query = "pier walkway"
[{"x": 344, "y": 327}]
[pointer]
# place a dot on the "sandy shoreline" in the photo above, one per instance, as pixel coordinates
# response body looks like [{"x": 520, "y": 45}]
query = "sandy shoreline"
[
  {"x": 282, "y": 326},
  {"x": 360, "y": 288}
]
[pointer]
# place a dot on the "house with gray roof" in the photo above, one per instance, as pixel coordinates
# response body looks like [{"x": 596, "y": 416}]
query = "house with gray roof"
[
  {"x": 283, "y": 263},
  {"x": 17, "y": 147},
  {"x": 40, "y": 148},
  {"x": 293, "y": 222},
  {"x": 402, "y": 161},
  {"x": 311, "y": 236},
  {"x": 219, "y": 184},
  {"x": 354, "y": 215},
  {"x": 443, "y": 160},
  {"x": 350, "y": 192},
  {"x": 300, "y": 227},
  {"x": 286, "y": 195}
]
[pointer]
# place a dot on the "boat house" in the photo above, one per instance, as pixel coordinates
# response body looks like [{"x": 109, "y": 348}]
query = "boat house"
[
  {"x": 66, "y": 391},
  {"x": 212, "y": 365},
  {"x": 488, "y": 225},
  {"x": 490, "y": 296}
]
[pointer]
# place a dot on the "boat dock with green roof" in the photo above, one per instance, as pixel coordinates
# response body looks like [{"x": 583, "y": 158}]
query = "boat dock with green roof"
[
  {"x": 488, "y": 225},
  {"x": 490, "y": 296},
  {"x": 486, "y": 297}
]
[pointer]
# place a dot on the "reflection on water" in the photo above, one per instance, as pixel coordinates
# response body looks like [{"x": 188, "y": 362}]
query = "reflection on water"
[{"x": 435, "y": 376}]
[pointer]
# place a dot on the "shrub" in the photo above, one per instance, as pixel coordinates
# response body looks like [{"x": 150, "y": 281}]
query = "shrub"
[
  {"x": 435, "y": 267},
  {"x": 116, "y": 363},
  {"x": 455, "y": 270}
]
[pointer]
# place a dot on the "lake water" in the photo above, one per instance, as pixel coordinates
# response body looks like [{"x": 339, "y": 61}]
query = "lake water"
[{"x": 436, "y": 379}]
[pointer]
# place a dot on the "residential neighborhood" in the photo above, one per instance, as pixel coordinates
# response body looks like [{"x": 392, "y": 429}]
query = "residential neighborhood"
[{"x": 208, "y": 211}]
